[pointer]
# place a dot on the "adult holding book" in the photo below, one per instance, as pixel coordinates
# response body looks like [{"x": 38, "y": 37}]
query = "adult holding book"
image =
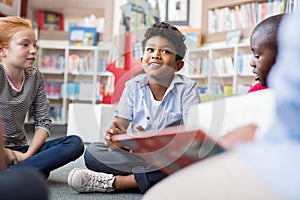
[
  {"x": 265, "y": 169},
  {"x": 152, "y": 101}
]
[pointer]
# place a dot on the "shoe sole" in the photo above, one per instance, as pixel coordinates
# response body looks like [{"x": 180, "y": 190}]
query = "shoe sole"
[{"x": 70, "y": 176}]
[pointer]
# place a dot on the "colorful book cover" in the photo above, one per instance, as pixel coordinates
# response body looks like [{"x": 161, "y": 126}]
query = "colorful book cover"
[
  {"x": 83, "y": 36},
  {"x": 50, "y": 21}
]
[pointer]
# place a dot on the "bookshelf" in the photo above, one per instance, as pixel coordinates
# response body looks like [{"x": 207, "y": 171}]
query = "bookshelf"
[
  {"x": 74, "y": 74},
  {"x": 220, "y": 69},
  {"x": 218, "y": 17},
  {"x": 72, "y": 11}
]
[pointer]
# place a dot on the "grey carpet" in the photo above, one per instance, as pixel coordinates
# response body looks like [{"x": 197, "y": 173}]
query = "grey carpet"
[
  {"x": 58, "y": 184},
  {"x": 59, "y": 189}
]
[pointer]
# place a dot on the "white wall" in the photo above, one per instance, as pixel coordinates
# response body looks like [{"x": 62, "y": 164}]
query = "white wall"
[{"x": 195, "y": 13}]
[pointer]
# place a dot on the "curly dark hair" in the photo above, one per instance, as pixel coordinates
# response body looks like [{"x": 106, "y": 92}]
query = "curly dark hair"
[{"x": 169, "y": 32}]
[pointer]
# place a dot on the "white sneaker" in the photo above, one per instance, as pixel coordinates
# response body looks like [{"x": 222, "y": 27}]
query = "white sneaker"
[{"x": 85, "y": 180}]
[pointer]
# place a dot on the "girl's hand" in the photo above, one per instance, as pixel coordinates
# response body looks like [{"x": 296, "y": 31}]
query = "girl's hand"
[
  {"x": 21, "y": 156},
  {"x": 11, "y": 156}
]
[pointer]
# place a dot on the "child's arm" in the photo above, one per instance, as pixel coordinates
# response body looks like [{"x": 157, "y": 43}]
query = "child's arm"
[{"x": 38, "y": 140}]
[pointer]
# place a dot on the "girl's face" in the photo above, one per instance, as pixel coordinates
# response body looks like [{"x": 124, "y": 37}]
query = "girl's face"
[
  {"x": 22, "y": 50},
  {"x": 263, "y": 57},
  {"x": 158, "y": 59}
]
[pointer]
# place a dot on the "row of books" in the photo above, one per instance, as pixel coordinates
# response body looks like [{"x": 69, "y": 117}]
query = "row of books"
[
  {"x": 228, "y": 89},
  {"x": 76, "y": 63},
  {"x": 241, "y": 16},
  {"x": 53, "y": 62},
  {"x": 53, "y": 89},
  {"x": 222, "y": 89},
  {"x": 197, "y": 65},
  {"x": 223, "y": 65},
  {"x": 216, "y": 89},
  {"x": 82, "y": 90},
  {"x": 243, "y": 64}
]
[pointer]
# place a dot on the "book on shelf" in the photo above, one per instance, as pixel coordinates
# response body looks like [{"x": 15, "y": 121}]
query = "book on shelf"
[
  {"x": 224, "y": 66},
  {"x": 83, "y": 90},
  {"x": 196, "y": 66},
  {"x": 55, "y": 111},
  {"x": 241, "y": 16},
  {"x": 170, "y": 149},
  {"x": 193, "y": 37},
  {"x": 221, "y": 89},
  {"x": 53, "y": 62},
  {"x": 83, "y": 36},
  {"x": 243, "y": 64},
  {"x": 50, "y": 20},
  {"x": 78, "y": 63},
  {"x": 53, "y": 89}
]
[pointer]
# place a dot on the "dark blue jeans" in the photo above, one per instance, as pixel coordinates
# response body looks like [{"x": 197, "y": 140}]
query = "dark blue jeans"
[
  {"x": 120, "y": 162},
  {"x": 52, "y": 155}
]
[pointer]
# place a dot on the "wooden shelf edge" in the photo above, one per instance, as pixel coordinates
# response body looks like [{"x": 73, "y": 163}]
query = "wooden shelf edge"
[
  {"x": 60, "y": 35},
  {"x": 221, "y": 36}
]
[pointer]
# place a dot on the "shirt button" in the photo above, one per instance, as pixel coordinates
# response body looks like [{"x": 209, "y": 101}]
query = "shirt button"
[{"x": 147, "y": 117}]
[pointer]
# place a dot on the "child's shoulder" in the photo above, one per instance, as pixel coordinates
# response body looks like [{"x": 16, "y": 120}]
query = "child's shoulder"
[{"x": 33, "y": 72}]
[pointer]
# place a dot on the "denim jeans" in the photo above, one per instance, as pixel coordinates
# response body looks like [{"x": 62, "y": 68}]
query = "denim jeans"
[
  {"x": 52, "y": 155},
  {"x": 121, "y": 162}
]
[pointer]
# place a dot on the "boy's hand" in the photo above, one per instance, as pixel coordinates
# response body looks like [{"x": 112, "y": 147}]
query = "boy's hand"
[
  {"x": 139, "y": 128},
  {"x": 116, "y": 128}
]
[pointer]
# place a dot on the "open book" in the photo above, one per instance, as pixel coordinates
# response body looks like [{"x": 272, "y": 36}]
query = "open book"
[{"x": 170, "y": 149}]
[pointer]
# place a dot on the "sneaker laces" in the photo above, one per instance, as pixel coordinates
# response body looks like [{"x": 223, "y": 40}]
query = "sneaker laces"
[{"x": 99, "y": 180}]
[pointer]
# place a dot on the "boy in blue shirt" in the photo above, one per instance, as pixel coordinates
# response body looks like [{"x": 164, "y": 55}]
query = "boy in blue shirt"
[{"x": 151, "y": 101}]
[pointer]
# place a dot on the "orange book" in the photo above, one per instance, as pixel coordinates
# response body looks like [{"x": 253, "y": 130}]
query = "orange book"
[{"x": 170, "y": 149}]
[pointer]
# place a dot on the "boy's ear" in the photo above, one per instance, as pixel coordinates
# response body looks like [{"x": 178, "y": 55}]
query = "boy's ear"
[{"x": 179, "y": 65}]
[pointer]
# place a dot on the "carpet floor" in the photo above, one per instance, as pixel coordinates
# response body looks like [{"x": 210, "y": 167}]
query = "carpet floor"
[
  {"x": 58, "y": 184},
  {"x": 59, "y": 189}
]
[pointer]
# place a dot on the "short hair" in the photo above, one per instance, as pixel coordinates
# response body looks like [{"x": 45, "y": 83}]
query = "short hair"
[
  {"x": 169, "y": 32},
  {"x": 269, "y": 28},
  {"x": 9, "y": 26}
]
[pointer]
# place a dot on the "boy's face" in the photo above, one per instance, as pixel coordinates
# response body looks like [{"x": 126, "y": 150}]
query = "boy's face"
[
  {"x": 159, "y": 59},
  {"x": 263, "y": 57}
]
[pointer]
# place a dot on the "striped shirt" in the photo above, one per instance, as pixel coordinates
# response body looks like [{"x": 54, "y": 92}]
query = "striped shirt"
[{"x": 14, "y": 106}]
